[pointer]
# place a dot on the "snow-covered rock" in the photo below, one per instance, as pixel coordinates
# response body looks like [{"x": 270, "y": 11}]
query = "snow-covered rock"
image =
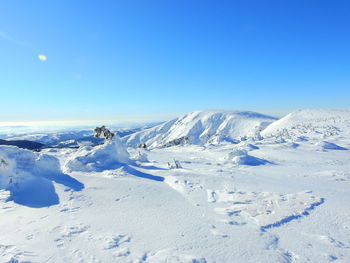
[
  {"x": 111, "y": 155},
  {"x": 241, "y": 157},
  {"x": 310, "y": 123},
  {"x": 201, "y": 127}
]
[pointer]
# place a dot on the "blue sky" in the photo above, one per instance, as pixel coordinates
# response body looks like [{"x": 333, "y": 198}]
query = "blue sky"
[{"x": 140, "y": 60}]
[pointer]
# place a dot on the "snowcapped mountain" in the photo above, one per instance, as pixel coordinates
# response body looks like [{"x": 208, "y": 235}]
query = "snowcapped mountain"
[
  {"x": 310, "y": 123},
  {"x": 201, "y": 127},
  {"x": 265, "y": 201}
]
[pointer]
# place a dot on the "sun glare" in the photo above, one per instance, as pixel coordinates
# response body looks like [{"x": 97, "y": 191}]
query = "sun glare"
[{"x": 42, "y": 57}]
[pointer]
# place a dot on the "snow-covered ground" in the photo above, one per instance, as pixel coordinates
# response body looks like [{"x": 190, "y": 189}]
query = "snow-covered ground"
[{"x": 281, "y": 198}]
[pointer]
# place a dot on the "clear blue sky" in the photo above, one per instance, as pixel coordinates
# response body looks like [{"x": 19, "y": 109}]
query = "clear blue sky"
[{"x": 154, "y": 59}]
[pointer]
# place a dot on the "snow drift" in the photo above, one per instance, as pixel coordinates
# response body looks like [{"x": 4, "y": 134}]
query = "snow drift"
[
  {"x": 240, "y": 156},
  {"x": 28, "y": 176},
  {"x": 310, "y": 123},
  {"x": 201, "y": 127},
  {"x": 111, "y": 155}
]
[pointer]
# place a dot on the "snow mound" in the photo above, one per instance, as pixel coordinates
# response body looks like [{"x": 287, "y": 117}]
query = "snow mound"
[
  {"x": 110, "y": 155},
  {"x": 263, "y": 208},
  {"x": 310, "y": 123},
  {"x": 329, "y": 146},
  {"x": 240, "y": 156},
  {"x": 201, "y": 127},
  {"x": 29, "y": 175}
]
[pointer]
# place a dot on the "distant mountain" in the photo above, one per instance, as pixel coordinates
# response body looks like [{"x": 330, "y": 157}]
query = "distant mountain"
[
  {"x": 62, "y": 139},
  {"x": 24, "y": 144},
  {"x": 52, "y": 138},
  {"x": 310, "y": 123},
  {"x": 201, "y": 127}
]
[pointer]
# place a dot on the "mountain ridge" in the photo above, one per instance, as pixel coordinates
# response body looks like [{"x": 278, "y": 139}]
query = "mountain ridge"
[{"x": 201, "y": 127}]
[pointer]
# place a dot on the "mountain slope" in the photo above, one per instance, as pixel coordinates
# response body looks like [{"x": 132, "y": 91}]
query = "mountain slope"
[
  {"x": 311, "y": 123},
  {"x": 201, "y": 127}
]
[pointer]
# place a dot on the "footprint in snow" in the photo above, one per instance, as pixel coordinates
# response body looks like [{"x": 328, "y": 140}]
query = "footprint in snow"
[
  {"x": 10, "y": 253},
  {"x": 69, "y": 233},
  {"x": 117, "y": 244}
]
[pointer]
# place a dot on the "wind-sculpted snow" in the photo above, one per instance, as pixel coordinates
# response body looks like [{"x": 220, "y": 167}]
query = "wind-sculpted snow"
[
  {"x": 310, "y": 123},
  {"x": 202, "y": 127},
  {"x": 264, "y": 209},
  {"x": 28, "y": 177},
  {"x": 110, "y": 155},
  {"x": 110, "y": 159}
]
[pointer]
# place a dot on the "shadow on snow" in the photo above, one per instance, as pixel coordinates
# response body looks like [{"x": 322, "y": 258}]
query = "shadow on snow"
[
  {"x": 138, "y": 173},
  {"x": 293, "y": 217},
  {"x": 39, "y": 192}
]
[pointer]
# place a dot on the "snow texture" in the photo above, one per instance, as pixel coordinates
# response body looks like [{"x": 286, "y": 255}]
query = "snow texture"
[
  {"x": 111, "y": 155},
  {"x": 311, "y": 123},
  {"x": 28, "y": 177}
]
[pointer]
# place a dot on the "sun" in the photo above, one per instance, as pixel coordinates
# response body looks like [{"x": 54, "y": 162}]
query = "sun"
[{"x": 42, "y": 57}]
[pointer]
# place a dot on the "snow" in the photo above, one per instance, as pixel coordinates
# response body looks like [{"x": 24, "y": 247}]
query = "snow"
[
  {"x": 318, "y": 123},
  {"x": 110, "y": 155},
  {"x": 264, "y": 209},
  {"x": 241, "y": 157},
  {"x": 201, "y": 127},
  {"x": 330, "y": 146},
  {"x": 109, "y": 203},
  {"x": 28, "y": 177},
  {"x": 141, "y": 156}
]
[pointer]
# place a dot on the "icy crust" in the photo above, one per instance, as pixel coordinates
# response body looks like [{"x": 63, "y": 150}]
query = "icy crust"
[
  {"x": 263, "y": 208},
  {"x": 201, "y": 127},
  {"x": 28, "y": 177},
  {"x": 111, "y": 155},
  {"x": 310, "y": 123}
]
